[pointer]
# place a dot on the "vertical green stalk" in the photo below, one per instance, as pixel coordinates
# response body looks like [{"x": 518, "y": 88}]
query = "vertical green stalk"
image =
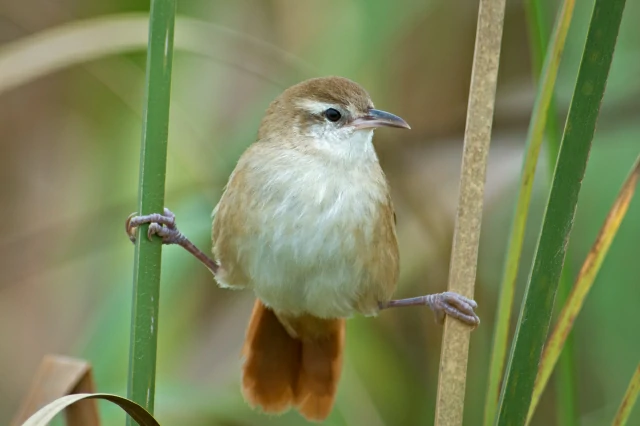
[
  {"x": 566, "y": 377},
  {"x": 535, "y": 315},
  {"x": 153, "y": 159}
]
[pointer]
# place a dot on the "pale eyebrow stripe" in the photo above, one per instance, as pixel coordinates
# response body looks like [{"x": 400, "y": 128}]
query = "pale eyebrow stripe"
[{"x": 315, "y": 107}]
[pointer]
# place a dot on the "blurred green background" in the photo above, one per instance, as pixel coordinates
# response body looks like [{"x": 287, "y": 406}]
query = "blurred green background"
[{"x": 70, "y": 140}]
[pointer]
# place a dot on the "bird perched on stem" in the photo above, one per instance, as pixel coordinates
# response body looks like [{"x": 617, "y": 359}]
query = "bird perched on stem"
[{"x": 306, "y": 222}]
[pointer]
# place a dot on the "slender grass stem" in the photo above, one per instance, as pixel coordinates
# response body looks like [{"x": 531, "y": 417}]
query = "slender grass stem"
[
  {"x": 153, "y": 158},
  {"x": 462, "y": 273}
]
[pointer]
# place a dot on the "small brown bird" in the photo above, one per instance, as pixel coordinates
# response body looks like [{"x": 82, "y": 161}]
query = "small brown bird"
[{"x": 306, "y": 222}]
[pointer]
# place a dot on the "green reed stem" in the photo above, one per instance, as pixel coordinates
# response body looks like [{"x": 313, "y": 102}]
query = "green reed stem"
[{"x": 153, "y": 159}]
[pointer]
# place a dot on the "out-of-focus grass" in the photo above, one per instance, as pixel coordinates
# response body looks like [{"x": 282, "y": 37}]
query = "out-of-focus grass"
[
  {"x": 558, "y": 338},
  {"x": 542, "y": 111},
  {"x": 70, "y": 147},
  {"x": 537, "y": 12},
  {"x": 546, "y": 269},
  {"x": 628, "y": 400}
]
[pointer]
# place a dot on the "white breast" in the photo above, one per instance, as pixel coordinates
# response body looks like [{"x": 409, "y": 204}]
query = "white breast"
[{"x": 310, "y": 221}]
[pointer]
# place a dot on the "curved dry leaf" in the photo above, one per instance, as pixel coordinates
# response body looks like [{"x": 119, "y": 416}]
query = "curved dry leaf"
[
  {"x": 56, "y": 377},
  {"x": 82, "y": 41},
  {"x": 43, "y": 416}
]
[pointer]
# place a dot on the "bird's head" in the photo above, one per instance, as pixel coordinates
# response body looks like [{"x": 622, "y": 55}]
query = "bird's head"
[{"x": 331, "y": 112}]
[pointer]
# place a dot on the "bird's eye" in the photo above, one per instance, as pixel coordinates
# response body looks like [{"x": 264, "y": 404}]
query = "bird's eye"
[{"x": 332, "y": 114}]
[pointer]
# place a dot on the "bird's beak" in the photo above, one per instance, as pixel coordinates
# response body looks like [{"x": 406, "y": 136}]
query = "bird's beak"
[{"x": 377, "y": 118}]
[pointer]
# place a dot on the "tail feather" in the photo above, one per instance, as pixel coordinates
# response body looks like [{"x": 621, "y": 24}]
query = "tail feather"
[
  {"x": 272, "y": 362},
  {"x": 320, "y": 371},
  {"x": 281, "y": 371}
]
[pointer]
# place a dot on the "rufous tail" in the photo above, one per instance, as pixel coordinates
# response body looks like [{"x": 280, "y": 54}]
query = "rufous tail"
[{"x": 281, "y": 371}]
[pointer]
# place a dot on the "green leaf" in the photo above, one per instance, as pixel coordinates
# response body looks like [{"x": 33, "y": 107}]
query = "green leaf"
[
  {"x": 535, "y": 137},
  {"x": 540, "y": 292},
  {"x": 584, "y": 282},
  {"x": 566, "y": 391}
]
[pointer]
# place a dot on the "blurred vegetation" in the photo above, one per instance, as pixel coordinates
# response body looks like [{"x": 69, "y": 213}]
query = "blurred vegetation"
[
  {"x": 551, "y": 250},
  {"x": 69, "y": 167}
]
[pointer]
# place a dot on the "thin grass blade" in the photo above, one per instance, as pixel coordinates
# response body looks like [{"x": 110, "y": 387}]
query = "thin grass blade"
[
  {"x": 535, "y": 315},
  {"x": 534, "y": 142},
  {"x": 539, "y": 39},
  {"x": 566, "y": 390},
  {"x": 628, "y": 401},
  {"x": 583, "y": 284}
]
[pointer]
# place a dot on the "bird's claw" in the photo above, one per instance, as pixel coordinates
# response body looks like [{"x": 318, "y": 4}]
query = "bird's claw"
[
  {"x": 162, "y": 225},
  {"x": 454, "y": 305}
]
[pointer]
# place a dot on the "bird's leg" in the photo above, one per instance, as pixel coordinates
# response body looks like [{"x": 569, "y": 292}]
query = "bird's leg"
[
  {"x": 448, "y": 303},
  {"x": 164, "y": 226}
]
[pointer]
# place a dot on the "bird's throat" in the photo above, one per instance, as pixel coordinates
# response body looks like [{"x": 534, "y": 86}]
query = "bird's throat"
[{"x": 355, "y": 148}]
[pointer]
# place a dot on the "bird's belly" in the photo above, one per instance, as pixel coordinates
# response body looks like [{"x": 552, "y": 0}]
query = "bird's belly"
[
  {"x": 323, "y": 260},
  {"x": 314, "y": 238},
  {"x": 317, "y": 268}
]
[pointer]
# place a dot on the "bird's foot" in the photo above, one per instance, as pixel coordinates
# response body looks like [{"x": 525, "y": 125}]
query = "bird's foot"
[
  {"x": 447, "y": 303},
  {"x": 454, "y": 305},
  {"x": 162, "y": 225}
]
